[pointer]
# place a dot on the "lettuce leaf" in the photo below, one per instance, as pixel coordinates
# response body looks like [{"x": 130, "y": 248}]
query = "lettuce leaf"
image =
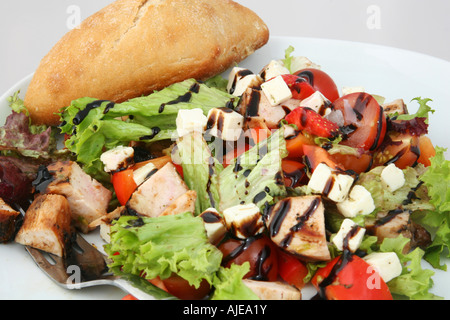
[
  {"x": 437, "y": 181},
  {"x": 162, "y": 246},
  {"x": 229, "y": 286},
  {"x": 254, "y": 176},
  {"x": 414, "y": 281},
  {"x": 94, "y": 126},
  {"x": 200, "y": 170}
]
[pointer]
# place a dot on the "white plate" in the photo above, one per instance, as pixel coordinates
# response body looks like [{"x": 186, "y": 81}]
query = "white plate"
[{"x": 388, "y": 72}]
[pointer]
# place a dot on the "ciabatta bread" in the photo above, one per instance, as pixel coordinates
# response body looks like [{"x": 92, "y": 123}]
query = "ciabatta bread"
[{"x": 133, "y": 47}]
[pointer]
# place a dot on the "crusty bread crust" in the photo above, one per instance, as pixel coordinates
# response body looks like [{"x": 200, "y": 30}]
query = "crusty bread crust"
[{"x": 133, "y": 47}]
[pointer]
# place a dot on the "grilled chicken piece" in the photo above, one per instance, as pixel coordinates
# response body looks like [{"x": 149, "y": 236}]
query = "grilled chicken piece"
[
  {"x": 297, "y": 225},
  {"x": 254, "y": 103},
  {"x": 10, "y": 219},
  {"x": 158, "y": 192},
  {"x": 88, "y": 198},
  {"x": 395, "y": 106},
  {"x": 184, "y": 203},
  {"x": 398, "y": 222},
  {"x": 106, "y": 221},
  {"x": 267, "y": 290},
  {"x": 47, "y": 225}
]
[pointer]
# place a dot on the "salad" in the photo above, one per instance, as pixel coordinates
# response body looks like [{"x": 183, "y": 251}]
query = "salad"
[{"x": 251, "y": 186}]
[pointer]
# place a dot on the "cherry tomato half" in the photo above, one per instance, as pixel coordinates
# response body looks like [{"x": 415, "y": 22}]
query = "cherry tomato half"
[
  {"x": 364, "y": 120},
  {"x": 181, "y": 288},
  {"x": 259, "y": 251},
  {"x": 320, "y": 81}
]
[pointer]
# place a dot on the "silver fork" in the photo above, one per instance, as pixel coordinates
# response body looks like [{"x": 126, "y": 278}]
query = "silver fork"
[{"x": 85, "y": 267}]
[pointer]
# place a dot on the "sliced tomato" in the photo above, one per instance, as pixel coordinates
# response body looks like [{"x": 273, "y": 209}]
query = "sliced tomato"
[
  {"x": 259, "y": 134},
  {"x": 259, "y": 251},
  {"x": 294, "y": 145},
  {"x": 427, "y": 151},
  {"x": 350, "y": 278},
  {"x": 403, "y": 150},
  {"x": 129, "y": 297},
  {"x": 358, "y": 164},
  {"x": 364, "y": 120},
  {"x": 294, "y": 173},
  {"x": 124, "y": 185},
  {"x": 314, "y": 155},
  {"x": 320, "y": 81},
  {"x": 181, "y": 288},
  {"x": 300, "y": 88},
  {"x": 291, "y": 270}
]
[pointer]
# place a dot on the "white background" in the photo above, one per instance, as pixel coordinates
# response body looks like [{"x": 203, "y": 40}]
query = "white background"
[{"x": 29, "y": 28}]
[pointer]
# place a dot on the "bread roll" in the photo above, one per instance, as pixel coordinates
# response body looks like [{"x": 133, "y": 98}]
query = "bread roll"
[{"x": 133, "y": 47}]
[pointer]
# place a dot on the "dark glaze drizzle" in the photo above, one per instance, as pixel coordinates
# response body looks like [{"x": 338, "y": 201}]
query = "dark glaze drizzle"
[
  {"x": 262, "y": 274},
  {"x": 82, "y": 114},
  {"x": 301, "y": 222},
  {"x": 155, "y": 130},
  {"x": 278, "y": 216},
  {"x": 252, "y": 109},
  {"x": 195, "y": 88},
  {"x": 240, "y": 74},
  {"x": 379, "y": 128}
]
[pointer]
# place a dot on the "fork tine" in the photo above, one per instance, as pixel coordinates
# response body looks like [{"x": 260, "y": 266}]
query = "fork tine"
[
  {"x": 90, "y": 261},
  {"x": 55, "y": 271}
]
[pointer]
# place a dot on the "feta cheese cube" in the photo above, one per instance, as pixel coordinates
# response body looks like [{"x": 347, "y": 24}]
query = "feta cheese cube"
[
  {"x": 240, "y": 79},
  {"x": 392, "y": 177},
  {"x": 276, "y": 91},
  {"x": 359, "y": 202},
  {"x": 273, "y": 69},
  {"x": 387, "y": 264},
  {"x": 214, "y": 225},
  {"x": 143, "y": 173},
  {"x": 354, "y": 233},
  {"x": 225, "y": 124},
  {"x": 189, "y": 120},
  {"x": 244, "y": 220},
  {"x": 317, "y": 102},
  {"x": 333, "y": 185},
  {"x": 118, "y": 158},
  {"x": 349, "y": 90}
]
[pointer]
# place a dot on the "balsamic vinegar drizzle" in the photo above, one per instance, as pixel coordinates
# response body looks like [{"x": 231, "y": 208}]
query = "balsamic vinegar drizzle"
[{"x": 82, "y": 114}]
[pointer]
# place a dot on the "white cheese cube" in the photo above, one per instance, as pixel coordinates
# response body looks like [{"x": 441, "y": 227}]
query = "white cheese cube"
[
  {"x": 274, "y": 69},
  {"x": 244, "y": 220},
  {"x": 317, "y": 102},
  {"x": 333, "y": 185},
  {"x": 225, "y": 123},
  {"x": 214, "y": 225},
  {"x": 300, "y": 62},
  {"x": 118, "y": 158},
  {"x": 349, "y": 90},
  {"x": 240, "y": 79},
  {"x": 354, "y": 237},
  {"x": 143, "y": 173},
  {"x": 359, "y": 202},
  {"x": 189, "y": 120},
  {"x": 276, "y": 91},
  {"x": 387, "y": 264},
  {"x": 392, "y": 177}
]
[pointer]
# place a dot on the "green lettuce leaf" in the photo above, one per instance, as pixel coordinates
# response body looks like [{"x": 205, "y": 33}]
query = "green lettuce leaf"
[
  {"x": 437, "y": 181},
  {"x": 228, "y": 284},
  {"x": 254, "y": 176},
  {"x": 200, "y": 170},
  {"x": 162, "y": 246},
  {"x": 147, "y": 119},
  {"x": 423, "y": 111},
  {"x": 414, "y": 281}
]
